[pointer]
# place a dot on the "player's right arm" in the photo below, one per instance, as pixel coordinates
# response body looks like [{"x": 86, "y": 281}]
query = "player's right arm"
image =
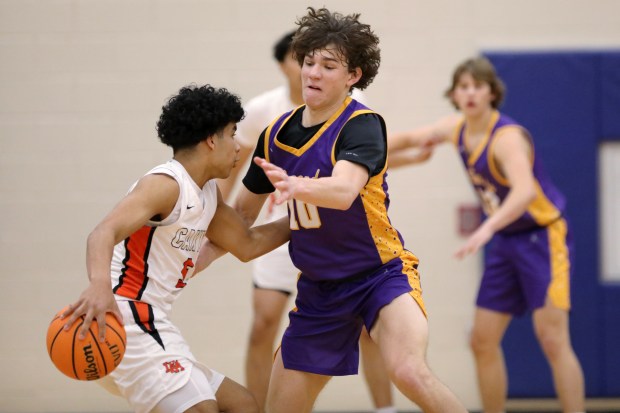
[
  {"x": 229, "y": 230},
  {"x": 237, "y": 220},
  {"x": 153, "y": 197},
  {"x": 416, "y": 145}
]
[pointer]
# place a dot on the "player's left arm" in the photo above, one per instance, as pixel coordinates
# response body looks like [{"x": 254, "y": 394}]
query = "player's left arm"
[
  {"x": 513, "y": 155},
  {"x": 337, "y": 191}
]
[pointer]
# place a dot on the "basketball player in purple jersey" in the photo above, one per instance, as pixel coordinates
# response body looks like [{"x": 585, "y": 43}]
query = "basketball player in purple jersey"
[
  {"x": 273, "y": 275},
  {"x": 527, "y": 266},
  {"x": 327, "y": 158}
]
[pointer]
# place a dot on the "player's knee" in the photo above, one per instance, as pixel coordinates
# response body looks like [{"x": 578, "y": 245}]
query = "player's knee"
[
  {"x": 263, "y": 329},
  {"x": 480, "y": 344},
  {"x": 551, "y": 344},
  {"x": 416, "y": 377}
]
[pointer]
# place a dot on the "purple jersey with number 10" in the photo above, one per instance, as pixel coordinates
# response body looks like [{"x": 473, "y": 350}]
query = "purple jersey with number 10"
[{"x": 330, "y": 244}]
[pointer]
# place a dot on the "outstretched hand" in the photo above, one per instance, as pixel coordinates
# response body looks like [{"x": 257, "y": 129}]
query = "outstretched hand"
[
  {"x": 476, "y": 241},
  {"x": 94, "y": 303},
  {"x": 278, "y": 177}
]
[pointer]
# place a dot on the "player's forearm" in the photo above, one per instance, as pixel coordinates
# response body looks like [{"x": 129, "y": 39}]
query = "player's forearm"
[
  {"x": 402, "y": 140},
  {"x": 99, "y": 249},
  {"x": 248, "y": 205},
  {"x": 408, "y": 157},
  {"x": 329, "y": 192},
  {"x": 265, "y": 238},
  {"x": 513, "y": 207}
]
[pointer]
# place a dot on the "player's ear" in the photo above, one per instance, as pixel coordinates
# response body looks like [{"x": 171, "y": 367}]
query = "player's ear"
[
  {"x": 210, "y": 141},
  {"x": 354, "y": 76}
]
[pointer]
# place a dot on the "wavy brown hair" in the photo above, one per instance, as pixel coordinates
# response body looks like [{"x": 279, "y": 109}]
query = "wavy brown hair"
[
  {"x": 354, "y": 41},
  {"x": 481, "y": 69}
]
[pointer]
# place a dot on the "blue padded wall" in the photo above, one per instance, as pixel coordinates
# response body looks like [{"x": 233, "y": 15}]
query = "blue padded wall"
[{"x": 570, "y": 102}]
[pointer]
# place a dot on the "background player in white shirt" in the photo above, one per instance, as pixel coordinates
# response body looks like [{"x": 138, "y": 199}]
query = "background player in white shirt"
[
  {"x": 273, "y": 274},
  {"x": 146, "y": 250}
]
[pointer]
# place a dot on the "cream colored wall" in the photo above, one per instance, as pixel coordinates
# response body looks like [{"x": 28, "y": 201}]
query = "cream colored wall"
[{"x": 82, "y": 83}]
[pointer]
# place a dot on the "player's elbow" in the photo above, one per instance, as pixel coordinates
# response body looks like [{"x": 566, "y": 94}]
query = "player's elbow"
[
  {"x": 530, "y": 193},
  {"x": 345, "y": 201},
  {"x": 246, "y": 257},
  {"x": 246, "y": 254}
]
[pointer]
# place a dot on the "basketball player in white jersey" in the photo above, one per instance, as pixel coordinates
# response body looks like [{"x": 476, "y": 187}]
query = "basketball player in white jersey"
[{"x": 147, "y": 250}]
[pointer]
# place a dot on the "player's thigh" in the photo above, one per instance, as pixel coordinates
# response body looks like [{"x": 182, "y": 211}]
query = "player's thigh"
[
  {"x": 401, "y": 330},
  {"x": 366, "y": 342},
  {"x": 293, "y": 390},
  {"x": 489, "y": 327}
]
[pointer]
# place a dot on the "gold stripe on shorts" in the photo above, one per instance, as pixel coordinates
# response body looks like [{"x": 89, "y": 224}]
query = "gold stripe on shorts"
[
  {"x": 559, "y": 288},
  {"x": 410, "y": 262}
]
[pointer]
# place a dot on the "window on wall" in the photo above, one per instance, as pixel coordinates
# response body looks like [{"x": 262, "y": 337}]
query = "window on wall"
[{"x": 609, "y": 172}]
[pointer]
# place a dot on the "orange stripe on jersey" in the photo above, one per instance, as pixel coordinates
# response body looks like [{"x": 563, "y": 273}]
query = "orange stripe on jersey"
[
  {"x": 145, "y": 319},
  {"x": 134, "y": 275}
]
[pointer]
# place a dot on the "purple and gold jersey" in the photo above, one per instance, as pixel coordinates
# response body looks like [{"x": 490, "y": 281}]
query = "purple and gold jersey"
[
  {"x": 330, "y": 244},
  {"x": 492, "y": 187}
]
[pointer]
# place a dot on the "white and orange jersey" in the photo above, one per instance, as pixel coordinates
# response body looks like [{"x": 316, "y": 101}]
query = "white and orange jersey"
[{"x": 155, "y": 263}]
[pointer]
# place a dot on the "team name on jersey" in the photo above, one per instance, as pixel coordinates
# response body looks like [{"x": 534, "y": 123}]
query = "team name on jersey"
[{"x": 188, "y": 239}]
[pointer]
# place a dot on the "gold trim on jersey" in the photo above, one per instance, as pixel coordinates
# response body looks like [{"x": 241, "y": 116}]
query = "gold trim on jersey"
[
  {"x": 495, "y": 170},
  {"x": 558, "y": 291},
  {"x": 475, "y": 154},
  {"x": 542, "y": 210},
  {"x": 317, "y": 135},
  {"x": 385, "y": 236},
  {"x": 353, "y": 115},
  {"x": 457, "y": 132},
  {"x": 267, "y": 139}
]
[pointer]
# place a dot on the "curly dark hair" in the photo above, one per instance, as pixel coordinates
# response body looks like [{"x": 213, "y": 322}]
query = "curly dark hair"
[
  {"x": 354, "y": 41},
  {"x": 196, "y": 113},
  {"x": 481, "y": 69}
]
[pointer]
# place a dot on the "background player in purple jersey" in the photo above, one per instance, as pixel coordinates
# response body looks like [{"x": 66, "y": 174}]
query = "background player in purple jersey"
[
  {"x": 273, "y": 275},
  {"x": 328, "y": 160},
  {"x": 527, "y": 266}
]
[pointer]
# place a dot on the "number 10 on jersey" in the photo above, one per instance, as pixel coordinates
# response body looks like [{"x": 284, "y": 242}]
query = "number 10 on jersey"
[{"x": 303, "y": 214}]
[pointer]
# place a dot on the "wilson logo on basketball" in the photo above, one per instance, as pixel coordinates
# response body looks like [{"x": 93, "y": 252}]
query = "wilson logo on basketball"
[
  {"x": 116, "y": 353},
  {"x": 173, "y": 366},
  {"x": 91, "y": 370}
]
